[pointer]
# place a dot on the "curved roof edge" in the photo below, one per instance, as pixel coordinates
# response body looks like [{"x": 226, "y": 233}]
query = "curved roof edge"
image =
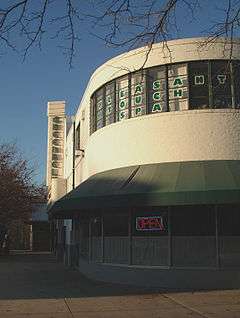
[
  {"x": 170, "y": 52},
  {"x": 174, "y": 42}
]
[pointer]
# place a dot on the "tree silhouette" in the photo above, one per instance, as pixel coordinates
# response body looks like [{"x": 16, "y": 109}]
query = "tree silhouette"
[
  {"x": 131, "y": 23},
  {"x": 18, "y": 192}
]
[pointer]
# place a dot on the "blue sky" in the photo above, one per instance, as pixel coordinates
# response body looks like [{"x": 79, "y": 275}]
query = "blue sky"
[{"x": 44, "y": 76}]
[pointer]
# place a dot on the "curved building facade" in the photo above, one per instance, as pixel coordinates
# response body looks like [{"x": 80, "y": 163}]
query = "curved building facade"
[{"x": 144, "y": 183}]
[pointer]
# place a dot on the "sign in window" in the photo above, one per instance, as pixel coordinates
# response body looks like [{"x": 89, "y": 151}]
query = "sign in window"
[{"x": 149, "y": 223}]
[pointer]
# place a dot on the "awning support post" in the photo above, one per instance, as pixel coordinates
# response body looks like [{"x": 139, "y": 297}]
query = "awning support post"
[
  {"x": 169, "y": 238},
  {"x": 130, "y": 236},
  {"x": 90, "y": 239},
  {"x": 217, "y": 237},
  {"x": 102, "y": 233}
]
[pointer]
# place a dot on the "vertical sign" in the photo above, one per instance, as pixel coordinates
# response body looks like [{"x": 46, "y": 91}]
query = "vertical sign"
[
  {"x": 57, "y": 146},
  {"x": 56, "y": 139}
]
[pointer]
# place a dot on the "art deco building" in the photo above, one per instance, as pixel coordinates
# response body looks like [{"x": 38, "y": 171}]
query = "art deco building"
[{"x": 145, "y": 179}]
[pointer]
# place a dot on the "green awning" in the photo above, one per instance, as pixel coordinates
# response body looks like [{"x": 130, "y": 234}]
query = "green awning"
[{"x": 161, "y": 184}]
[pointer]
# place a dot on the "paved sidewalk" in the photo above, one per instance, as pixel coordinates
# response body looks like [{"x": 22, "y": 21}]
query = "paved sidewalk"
[{"x": 35, "y": 286}]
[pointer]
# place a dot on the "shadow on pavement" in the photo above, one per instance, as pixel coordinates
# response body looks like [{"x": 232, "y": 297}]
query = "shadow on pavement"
[{"x": 39, "y": 276}]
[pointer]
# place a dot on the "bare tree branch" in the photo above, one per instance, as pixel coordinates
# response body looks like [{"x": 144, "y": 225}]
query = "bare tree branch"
[{"x": 119, "y": 23}]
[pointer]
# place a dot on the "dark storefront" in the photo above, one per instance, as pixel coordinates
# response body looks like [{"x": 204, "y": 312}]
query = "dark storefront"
[{"x": 172, "y": 215}]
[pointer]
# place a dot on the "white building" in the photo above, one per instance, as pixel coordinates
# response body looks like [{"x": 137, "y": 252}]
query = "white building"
[{"x": 150, "y": 165}]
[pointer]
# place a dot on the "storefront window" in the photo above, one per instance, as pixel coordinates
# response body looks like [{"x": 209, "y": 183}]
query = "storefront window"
[
  {"x": 193, "y": 236},
  {"x": 229, "y": 235},
  {"x": 96, "y": 238},
  {"x": 84, "y": 240},
  {"x": 150, "y": 241},
  {"x": 116, "y": 242}
]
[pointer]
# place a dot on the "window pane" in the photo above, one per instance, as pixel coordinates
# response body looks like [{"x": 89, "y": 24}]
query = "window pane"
[
  {"x": 150, "y": 222},
  {"x": 229, "y": 235},
  {"x": 193, "y": 236},
  {"x": 100, "y": 123},
  {"x": 96, "y": 239},
  {"x": 122, "y": 95},
  {"x": 116, "y": 225},
  {"x": 99, "y": 114},
  {"x": 157, "y": 90},
  {"x": 110, "y": 119},
  {"x": 150, "y": 241},
  {"x": 193, "y": 221},
  {"x": 116, "y": 242},
  {"x": 178, "y": 87},
  {"x": 84, "y": 240},
  {"x": 110, "y": 103},
  {"x": 221, "y": 84},
  {"x": 236, "y": 76},
  {"x": 122, "y": 114},
  {"x": 92, "y": 114},
  {"x": 96, "y": 226},
  {"x": 138, "y": 94},
  {"x": 198, "y": 85},
  {"x": 100, "y": 108},
  {"x": 77, "y": 137}
]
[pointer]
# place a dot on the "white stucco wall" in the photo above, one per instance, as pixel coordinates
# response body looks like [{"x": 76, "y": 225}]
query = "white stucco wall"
[
  {"x": 166, "y": 137},
  {"x": 58, "y": 189}
]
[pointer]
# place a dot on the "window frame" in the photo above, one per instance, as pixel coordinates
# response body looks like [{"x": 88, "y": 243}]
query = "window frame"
[
  {"x": 78, "y": 137},
  {"x": 233, "y": 68}
]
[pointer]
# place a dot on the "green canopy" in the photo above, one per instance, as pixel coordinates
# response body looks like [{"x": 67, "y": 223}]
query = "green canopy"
[{"x": 160, "y": 184}]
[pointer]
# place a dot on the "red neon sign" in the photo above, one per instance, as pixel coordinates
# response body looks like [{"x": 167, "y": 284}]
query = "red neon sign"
[{"x": 149, "y": 223}]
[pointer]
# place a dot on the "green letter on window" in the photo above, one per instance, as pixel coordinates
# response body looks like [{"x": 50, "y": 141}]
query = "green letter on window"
[
  {"x": 122, "y": 93},
  {"x": 199, "y": 80},
  {"x": 156, "y": 96},
  {"x": 138, "y": 89},
  {"x": 178, "y": 93},
  {"x": 122, "y": 115},
  {"x": 108, "y": 100},
  {"x": 122, "y": 104},
  {"x": 138, "y": 99},
  {"x": 138, "y": 111},
  {"x": 156, "y": 85},
  {"x": 178, "y": 81},
  {"x": 156, "y": 108}
]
